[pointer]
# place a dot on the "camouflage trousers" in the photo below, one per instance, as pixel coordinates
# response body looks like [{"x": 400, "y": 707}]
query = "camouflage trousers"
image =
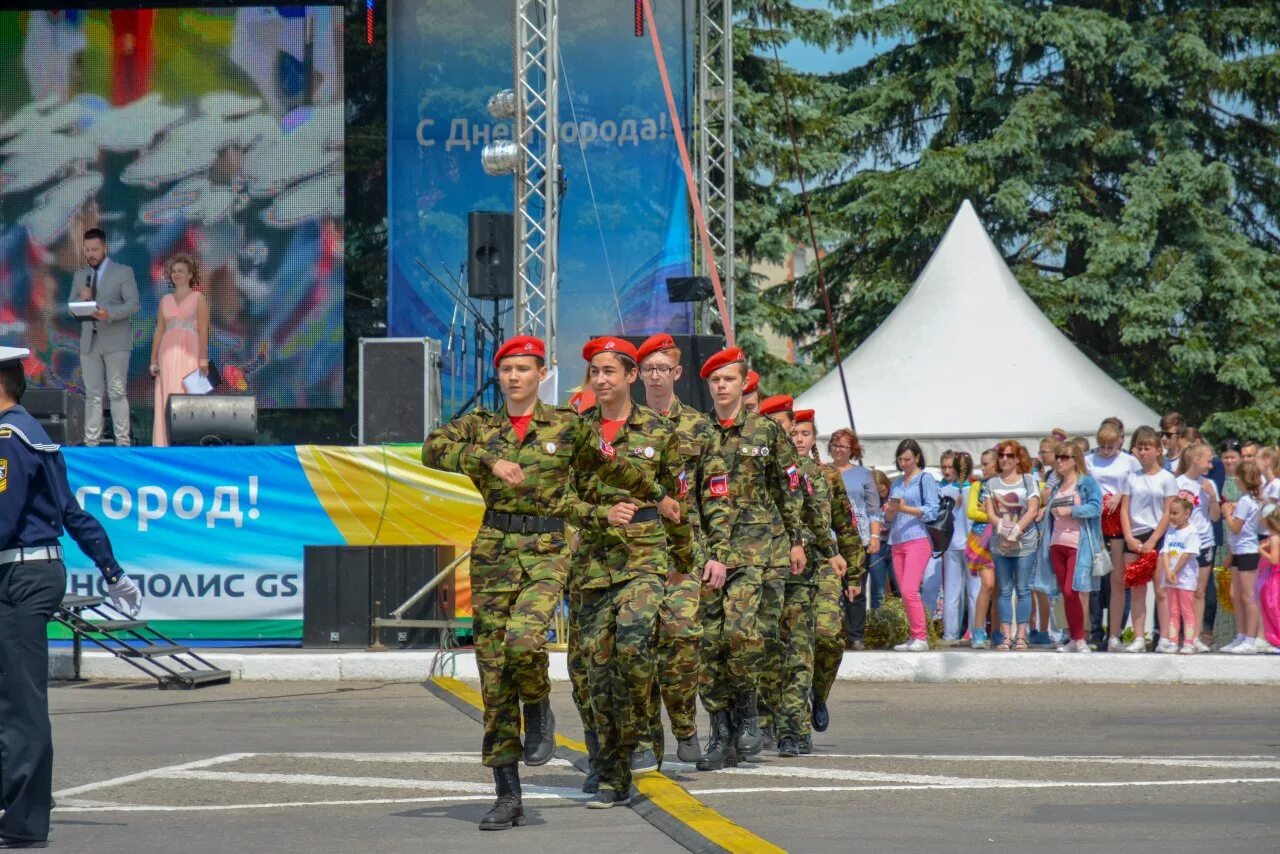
[
  {"x": 829, "y": 634},
  {"x": 731, "y": 641},
  {"x": 773, "y": 595},
  {"x": 791, "y": 712},
  {"x": 679, "y": 659},
  {"x": 619, "y": 626},
  {"x": 511, "y": 637},
  {"x": 577, "y": 663}
]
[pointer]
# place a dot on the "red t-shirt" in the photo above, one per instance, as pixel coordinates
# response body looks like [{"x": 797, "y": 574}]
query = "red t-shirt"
[
  {"x": 520, "y": 423},
  {"x": 609, "y": 429}
]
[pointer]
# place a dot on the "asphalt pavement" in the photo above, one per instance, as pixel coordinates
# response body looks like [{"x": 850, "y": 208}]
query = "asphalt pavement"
[{"x": 294, "y": 767}]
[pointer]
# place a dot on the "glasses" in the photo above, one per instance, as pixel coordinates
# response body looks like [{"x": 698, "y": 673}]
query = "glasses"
[
  {"x": 1007, "y": 456},
  {"x": 1231, "y": 445},
  {"x": 1062, "y": 458},
  {"x": 1168, "y": 434},
  {"x": 841, "y": 447},
  {"x": 656, "y": 370}
]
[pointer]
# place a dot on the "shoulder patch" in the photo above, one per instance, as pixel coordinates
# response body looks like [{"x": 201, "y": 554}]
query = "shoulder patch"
[{"x": 9, "y": 431}]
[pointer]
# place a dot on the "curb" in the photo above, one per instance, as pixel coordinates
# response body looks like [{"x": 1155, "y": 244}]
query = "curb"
[{"x": 958, "y": 666}]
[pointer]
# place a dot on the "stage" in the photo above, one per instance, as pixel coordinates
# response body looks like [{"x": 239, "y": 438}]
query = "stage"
[{"x": 215, "y": 536}]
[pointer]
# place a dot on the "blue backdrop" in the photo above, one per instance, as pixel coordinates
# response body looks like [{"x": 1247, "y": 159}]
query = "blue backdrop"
[{"x": 624, "y": 225}]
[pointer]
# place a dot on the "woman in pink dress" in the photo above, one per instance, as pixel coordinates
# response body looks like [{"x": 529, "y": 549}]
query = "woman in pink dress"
[{"x": 181, "y": 341}]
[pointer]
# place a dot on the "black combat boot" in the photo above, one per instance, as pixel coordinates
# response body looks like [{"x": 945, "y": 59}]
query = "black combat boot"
[
  {"x": 821, "y": 717},
  {"x": 748, "y": 737},
  {"x": 643, "y": 759},
  {"x": 688, "y": 749},
  {"x": 507, "y": 810},
  {"x": 806, "y": 745},
  {"x": 720, "y": 749},
  {"x": 591, "y": 785},
  {"x": 788, "y": 746},
  {"x": 539, "y": 732}
]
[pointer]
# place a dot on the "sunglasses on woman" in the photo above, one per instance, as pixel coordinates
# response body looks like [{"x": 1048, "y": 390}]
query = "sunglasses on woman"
[{"x": 1064, "y": 457}]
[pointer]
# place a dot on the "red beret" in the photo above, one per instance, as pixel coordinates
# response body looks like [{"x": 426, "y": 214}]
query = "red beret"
[
  {"x": 609, "y": 344},
  {"x": 727, "y": 356},
  {"x": 521, "y": 345},
  {"x": 753, "y": 383},
  {"x": 805, "y": 415},
  {"x": 777, "y": 403},
  {"x": 655, "y": 344}
]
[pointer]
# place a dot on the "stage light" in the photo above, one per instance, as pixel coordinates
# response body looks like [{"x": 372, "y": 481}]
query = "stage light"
[
  {"x": 503, "y": 104},
  {"x": 500, "y": 158}
]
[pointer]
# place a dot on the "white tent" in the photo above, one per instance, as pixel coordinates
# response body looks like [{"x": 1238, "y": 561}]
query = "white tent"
[{"x": 967, "y": 359}]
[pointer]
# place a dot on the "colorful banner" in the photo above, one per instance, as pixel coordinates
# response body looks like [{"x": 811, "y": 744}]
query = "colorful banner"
[
  {"x": 624, "y": 224},
  {"x": 215, "y": 536}
]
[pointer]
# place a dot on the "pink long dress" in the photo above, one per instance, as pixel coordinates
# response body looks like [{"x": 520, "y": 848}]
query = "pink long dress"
[{"x": 179, "y": 356}]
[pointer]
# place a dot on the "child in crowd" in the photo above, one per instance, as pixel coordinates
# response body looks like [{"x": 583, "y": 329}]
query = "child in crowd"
[
  {"x": 1179, "y": 570},
  {"x": 1144, "y": 519},
  {"x": 1242, "y": 517},
  {"x": 1269, "y": 587},
  {"x": 1194, "y": 483}
]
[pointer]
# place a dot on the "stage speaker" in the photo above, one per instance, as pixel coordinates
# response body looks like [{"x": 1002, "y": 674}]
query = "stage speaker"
[
  {"x": 345, "y": 587},
  {"x": 212, "y": 419},
  {"x": 491, "y": 247},
  {"x": 694, "y": 350},
  {"x": 690, "y": 289},
  {"x": 399, "y": 394},
  {"x": 60, "y": 411}
]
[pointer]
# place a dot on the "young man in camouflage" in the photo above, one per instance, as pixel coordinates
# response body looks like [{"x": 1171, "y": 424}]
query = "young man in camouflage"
[
  {"x": 751, "y": 475},
  {"x": 624, "y": 557},
  {"x": 521, "y": 459},
  {"x": 786, "y": 602},
  {"x": 679, "y": 630}
]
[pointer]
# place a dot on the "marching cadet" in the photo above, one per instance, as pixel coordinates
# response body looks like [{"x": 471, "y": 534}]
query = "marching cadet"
[
  {"x": 786, "y": 603},
  {"x": 751, "y": 476},
  {"x": 679, "y": 630},
  {"x": 36, "y": 503},
  {"x": 625, "y": 556},
  {"x": 751, "y": 392},
  {"x": 521, "y": 459},
  {"x": 828, "y": 610}
]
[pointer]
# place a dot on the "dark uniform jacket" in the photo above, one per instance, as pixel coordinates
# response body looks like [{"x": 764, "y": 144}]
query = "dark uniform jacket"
[
  {"x": 557, "y": 442},
  {"x": 36, "y": 501}
]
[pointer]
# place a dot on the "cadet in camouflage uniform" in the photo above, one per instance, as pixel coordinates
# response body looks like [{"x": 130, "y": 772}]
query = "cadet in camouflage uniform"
[
  {"x": 522, "y": 465},
  {"x": 751, "y": 475},
  {"x": 787, "y": 673},
  {"x": 624, "y": 557},
  {"x": 679, "y": 629},
  {"x": 820, "y": 603}
]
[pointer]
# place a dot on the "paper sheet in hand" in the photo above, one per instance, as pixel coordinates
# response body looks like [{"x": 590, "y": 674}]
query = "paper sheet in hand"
[
  {"x": 196, "y": 383},
  {"x": 82, "y": 309}
]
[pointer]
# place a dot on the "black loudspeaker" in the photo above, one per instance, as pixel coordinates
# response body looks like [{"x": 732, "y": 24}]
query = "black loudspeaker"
[
  {"x": 399, "y": 391},
  {"x": 694, "y": 350},
  {"x": 345, "y": 587},
  {"x": 212, "y": 419},
  {"x": 491, "y": 246},
  {"x": 60, "y": 411},
  {"x": 690, "y": 289}
]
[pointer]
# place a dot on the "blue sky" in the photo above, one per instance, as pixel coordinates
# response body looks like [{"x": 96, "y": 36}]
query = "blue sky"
[{"x": 807, "y": 58}]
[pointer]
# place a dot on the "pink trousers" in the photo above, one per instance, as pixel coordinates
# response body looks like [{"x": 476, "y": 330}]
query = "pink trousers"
[
  {"x": 1181, "y": 613},
  {"x": 910, "y": 560}
]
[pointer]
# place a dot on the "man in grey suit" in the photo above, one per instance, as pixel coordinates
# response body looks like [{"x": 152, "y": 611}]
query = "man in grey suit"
[{"x": 107, "y": 339}]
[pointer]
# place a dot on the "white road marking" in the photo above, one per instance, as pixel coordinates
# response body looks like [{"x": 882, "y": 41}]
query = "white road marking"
[
  {"x": 573, "y": 795},
  {"x": 1258, "y": 761},
  {"x": 144, "y": 775},
  {"x": 349, "y": 782},
  {"x": 796, "y": 772},
  {"x": 404, "y": 758}
]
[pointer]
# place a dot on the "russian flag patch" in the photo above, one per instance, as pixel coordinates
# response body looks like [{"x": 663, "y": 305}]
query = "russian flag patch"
[
  {"x": 793, "y": 477},
  {"x": 719, "y": 485},
  {"x": 684, "y": 483}
]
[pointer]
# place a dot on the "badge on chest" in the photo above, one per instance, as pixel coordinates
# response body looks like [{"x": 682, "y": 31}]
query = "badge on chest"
[
  {"x": 754, "y": 450},
  {"x": 647, "y": 452}
]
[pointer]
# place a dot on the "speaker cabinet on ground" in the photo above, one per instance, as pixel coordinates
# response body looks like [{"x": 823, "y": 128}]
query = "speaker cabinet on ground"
[
  {"x": 694, "y": 350},
  {"x": 60, "y": 411},
  {"x": 399, "y": 389},
  {"x": 212, "y": 419},
  {"x": 345, "y": 587},
  {"x": 491, "y": 269}
]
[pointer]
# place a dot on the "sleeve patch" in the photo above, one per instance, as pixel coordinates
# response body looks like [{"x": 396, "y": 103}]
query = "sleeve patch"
[
  {"x": 793, "y": 478},
  {"x": 606, "y": 450},
  {"x": 719, "y": 485},
  {"x": 4, "y": 474},
  {"x": 684, "y": 483}
]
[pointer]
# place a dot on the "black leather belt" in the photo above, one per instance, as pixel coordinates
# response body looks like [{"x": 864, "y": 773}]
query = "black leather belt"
[
  {"x": 645, "y": 514},
  {"x": 513, "y": 523}
]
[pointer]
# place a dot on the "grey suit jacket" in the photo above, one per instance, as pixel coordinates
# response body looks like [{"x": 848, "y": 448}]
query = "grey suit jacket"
[{"x": 118, "y": 294}]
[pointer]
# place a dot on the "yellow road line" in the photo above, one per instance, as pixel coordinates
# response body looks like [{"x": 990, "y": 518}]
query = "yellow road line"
[{"x": 664, "y": 792}]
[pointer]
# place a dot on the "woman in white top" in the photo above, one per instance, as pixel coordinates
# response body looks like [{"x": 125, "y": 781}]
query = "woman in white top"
[
  {"x": 1194, "y": 484},
  {"x": 956, "y": 468},
  {"x": 1013, "y": 504},
  {"x": 1144, "y": 518},
  {"x": 1242, "y": 518},
  {"x": 1110, "y": 468}
]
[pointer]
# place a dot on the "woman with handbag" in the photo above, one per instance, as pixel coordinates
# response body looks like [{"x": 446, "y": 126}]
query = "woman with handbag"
[
  {"x": 913, "y": 503},
  {"x": 1073, "y": 540},
  {"x": 1013, "y": 504},
  {"x": 1144, "y": 518}
]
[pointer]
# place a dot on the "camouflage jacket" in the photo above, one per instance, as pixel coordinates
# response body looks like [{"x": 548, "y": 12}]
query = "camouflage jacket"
[
  {"x": 557, "y": 443},
  {"x": 697, "y": 438},
  {"x": 819, "y": 542},
  {"x": 610, "y": 554},
  {"x": 846, "y": 527},
  {"x": 751, "y": 479}
]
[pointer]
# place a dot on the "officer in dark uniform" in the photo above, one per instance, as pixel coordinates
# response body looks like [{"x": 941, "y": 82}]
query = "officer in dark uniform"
[{"x": 36, "y": 503}]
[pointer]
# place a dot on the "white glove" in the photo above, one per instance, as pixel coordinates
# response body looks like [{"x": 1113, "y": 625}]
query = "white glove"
[{"x": 126, "y": 596}]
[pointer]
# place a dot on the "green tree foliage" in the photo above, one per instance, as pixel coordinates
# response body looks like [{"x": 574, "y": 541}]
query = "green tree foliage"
[{"x": 1124, "y": 155}]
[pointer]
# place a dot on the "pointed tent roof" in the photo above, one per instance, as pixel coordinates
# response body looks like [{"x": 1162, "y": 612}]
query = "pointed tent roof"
[{"x": 966, "y": 358}]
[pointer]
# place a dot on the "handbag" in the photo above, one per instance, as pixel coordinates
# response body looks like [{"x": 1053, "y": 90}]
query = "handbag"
[
  {"x": 943, "y": 526},
  {"x": 1101, "y": 560}
]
